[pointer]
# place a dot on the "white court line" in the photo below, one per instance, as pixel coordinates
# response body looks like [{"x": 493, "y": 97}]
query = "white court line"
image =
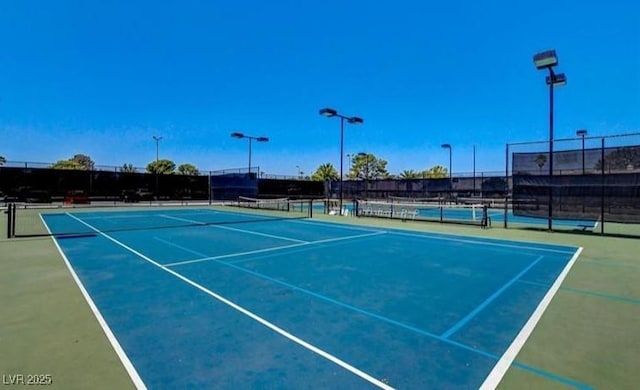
[
  {"x": 232, "y": 229},
  {"x": 210, "y": 258},
  {"x": 270, "y": 249},
  {"x": 487, "y": 243},
  {"x": 334, "y": 225},
  {"x": 248, "y": 313},
  {"x": 184, "y": 248},
  {"x": 131, "y": 370},
  {"x": 108, "y": 217},
  {"x": 495, "y": 376}
]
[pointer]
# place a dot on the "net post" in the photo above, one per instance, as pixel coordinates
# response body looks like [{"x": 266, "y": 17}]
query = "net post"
[
  {"x": 13, "y": 221},
  {"x": 11, "y": 212},
  {"x": 310, "y": 205},
  {"x": 8, "y": 220},
  {"x": 484, "y": 222}
]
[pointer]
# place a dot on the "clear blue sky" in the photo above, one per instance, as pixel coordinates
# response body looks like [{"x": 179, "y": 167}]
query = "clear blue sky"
[{"x": 102, "y": 77}]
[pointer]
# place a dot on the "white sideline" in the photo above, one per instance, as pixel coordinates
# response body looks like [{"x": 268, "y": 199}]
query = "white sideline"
[
  {"x": 501, "y": 367},
  {"x": 131, "y": 370}
]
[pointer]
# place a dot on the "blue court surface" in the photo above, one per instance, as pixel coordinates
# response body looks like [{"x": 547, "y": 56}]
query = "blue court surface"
[{"x": 221, "y": 299}]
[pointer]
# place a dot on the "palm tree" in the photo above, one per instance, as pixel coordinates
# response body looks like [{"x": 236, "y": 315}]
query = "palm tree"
[
  {"x": 161, "y": 166},
  {"x": 436, "y": 172},
  {"x": 188, "y": 169},
  {"x": 540, "y": 160},
  {"x": 3, "y": 160},
  {"x": 127, "y": 168},
  {"x": 325, "y": 172},
  {"x": 409, "y": 174}
]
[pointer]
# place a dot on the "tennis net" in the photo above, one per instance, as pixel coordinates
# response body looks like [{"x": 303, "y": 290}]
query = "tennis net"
[
  {"x": 299, "y": 208},
  {"x": 466, "y": 214},
  {"x": 28, "y": 222},
  {"x": 404, "y": 199}
]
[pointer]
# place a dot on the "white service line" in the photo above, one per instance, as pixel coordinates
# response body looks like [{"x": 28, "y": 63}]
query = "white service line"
[
  {"x": 184, "y": 248},
  {"x": 213, "y": 225},
  {"x": 246, "y": 312},
  {"x": 131, "y": 370},
  {"x": 211, "y": 258}
]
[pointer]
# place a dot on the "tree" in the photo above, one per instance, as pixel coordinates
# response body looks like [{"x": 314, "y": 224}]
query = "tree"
[
  {"x": 409, "y": 174},
  {"x": 67, "y": 164},
  {"x": 621, "y": 159},
  {"x": 368, "y": 166},
  {"x": 161, "y": 166},
  {"x": 85, "y": 161},
  {"x": 325, "y": 172},
  {"x": 540, "y": 160},
  {"x": 2, "y": 160},
  {"x": 79, "y": 161},
  {"x": 436, "y": 172},
  {"x": 188, "y": 169},
  {"x": 127, "y": 168}
]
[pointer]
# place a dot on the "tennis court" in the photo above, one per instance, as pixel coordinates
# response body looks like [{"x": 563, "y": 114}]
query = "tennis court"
[{"x": 220, "y": 298}]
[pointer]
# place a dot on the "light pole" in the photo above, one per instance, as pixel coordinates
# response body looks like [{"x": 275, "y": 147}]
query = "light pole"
[
  {"x": 330, "y": 112},
  {"x": 547, "y": 60},
  {"x": 474, "y": 170},
  {"x": 250, "y": 138},
  {"x": 157, "y": 139},
  {"x": 582, "y": 133},
  {"x": 448, "y": 146},
  {"x": 299, "y": 172},
  {"x": 349, "y": 159}
]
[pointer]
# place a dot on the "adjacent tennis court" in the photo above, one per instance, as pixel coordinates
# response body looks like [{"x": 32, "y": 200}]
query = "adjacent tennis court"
[
  {"x": 458, "y": 213},
  {"x": 220, "y": 298}
]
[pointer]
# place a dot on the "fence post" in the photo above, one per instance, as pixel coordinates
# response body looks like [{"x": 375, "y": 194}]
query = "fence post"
[
  {"x": 602, "y": 187},
  {"x": 506, "y": 186},
  {"x": 209, "y": 186}
]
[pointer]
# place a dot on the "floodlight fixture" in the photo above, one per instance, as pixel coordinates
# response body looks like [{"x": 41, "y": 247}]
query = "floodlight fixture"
[
  {"x": 545, "y": 59},
  {"x": 559, "y": 79},
  {"x": 328, "y": 112},
  {"x": 237, "y": 135}
]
